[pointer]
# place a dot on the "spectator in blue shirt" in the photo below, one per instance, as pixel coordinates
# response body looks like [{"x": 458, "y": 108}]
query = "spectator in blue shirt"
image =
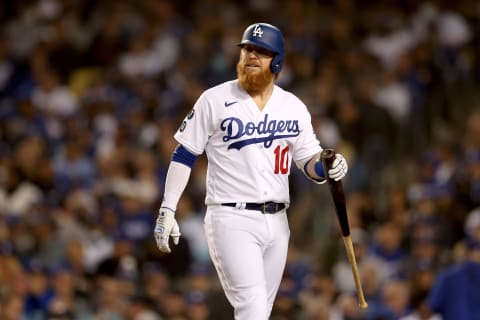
[{"x": 456, "y": 291}]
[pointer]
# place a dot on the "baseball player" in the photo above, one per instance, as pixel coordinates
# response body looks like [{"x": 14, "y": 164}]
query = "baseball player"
[{"x": 251, "y": 131}]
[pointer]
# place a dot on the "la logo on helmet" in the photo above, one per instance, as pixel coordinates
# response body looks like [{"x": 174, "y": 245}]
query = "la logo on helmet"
[{"x": 257, "y": 31}]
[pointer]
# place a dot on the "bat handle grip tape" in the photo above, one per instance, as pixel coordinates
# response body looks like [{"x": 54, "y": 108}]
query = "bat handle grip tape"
[{"x": 336, "y": 190}]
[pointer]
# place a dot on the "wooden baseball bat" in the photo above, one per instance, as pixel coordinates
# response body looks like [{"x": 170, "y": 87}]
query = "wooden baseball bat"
[{"x": 336, "y": 190}]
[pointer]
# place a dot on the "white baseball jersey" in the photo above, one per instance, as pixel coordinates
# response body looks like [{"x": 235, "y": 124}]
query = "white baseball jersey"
[{"x": 249, "y": 151}]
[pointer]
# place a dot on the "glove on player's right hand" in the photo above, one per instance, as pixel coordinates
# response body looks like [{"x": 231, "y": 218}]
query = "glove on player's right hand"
[{"x": 166, "y": 227}]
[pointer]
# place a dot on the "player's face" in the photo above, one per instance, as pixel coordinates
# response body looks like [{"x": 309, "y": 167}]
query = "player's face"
[{"x": 253, "y": 68}]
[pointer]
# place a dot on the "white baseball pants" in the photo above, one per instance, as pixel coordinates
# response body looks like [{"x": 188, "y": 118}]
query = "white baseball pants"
[{"x": 249, "y": 251}]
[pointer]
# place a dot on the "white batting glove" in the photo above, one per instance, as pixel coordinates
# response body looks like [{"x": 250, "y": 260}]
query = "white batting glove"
[
  {"x": 339, "y": 168},
  {"x": 166, "y": 227}
]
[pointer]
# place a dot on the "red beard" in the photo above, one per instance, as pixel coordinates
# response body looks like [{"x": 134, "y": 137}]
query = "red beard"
[{"x": 253, "y": 83}]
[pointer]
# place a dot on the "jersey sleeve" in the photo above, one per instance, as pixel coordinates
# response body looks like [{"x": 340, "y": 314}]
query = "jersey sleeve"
[
  {"x": 197, "y": 127},
  {"x": 307, "y": 143}
]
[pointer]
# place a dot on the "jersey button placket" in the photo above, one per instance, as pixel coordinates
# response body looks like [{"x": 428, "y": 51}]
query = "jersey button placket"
[{"x": 259, "y": 166}]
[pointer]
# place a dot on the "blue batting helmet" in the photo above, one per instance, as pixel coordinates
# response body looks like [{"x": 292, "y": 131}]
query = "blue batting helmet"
[{"x": 268, "y": 37}]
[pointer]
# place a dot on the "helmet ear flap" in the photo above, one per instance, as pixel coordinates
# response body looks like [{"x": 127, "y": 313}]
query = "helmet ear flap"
[{"x": 276, "y": 64}]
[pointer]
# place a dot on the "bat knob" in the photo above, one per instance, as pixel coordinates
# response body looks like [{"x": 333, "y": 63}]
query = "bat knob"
[{"x": 327, "y": 153}]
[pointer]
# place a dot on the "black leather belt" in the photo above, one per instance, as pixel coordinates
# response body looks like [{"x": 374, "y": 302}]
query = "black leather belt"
[{"x": 266, "y": 207}]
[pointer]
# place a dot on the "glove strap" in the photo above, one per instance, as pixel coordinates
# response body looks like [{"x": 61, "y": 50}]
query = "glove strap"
[{"x": 167, "y": 208}]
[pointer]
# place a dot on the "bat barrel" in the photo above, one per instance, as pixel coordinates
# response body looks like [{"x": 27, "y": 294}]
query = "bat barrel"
[{"x": 336, "y": 190}]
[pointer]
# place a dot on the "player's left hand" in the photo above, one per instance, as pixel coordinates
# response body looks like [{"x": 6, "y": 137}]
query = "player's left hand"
[
  {"x": 166, "y": 227},
  {"x": 339, "y": 168}
]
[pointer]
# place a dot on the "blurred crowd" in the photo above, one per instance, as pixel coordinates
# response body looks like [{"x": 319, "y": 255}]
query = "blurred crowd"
[{"x": 91, "y": 93}]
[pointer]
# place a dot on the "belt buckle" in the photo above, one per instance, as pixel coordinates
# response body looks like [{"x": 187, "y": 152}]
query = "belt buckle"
[
  {"x": 270, "y": 207},
  {"x": 275, "y": 207}
]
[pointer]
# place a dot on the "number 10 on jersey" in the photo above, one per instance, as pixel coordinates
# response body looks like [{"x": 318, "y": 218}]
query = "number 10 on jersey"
[{"x": 281, "y": 160}]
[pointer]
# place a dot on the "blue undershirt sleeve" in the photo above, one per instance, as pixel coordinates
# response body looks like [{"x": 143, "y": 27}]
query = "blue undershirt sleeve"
[{"x": 184, "y": 156}]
